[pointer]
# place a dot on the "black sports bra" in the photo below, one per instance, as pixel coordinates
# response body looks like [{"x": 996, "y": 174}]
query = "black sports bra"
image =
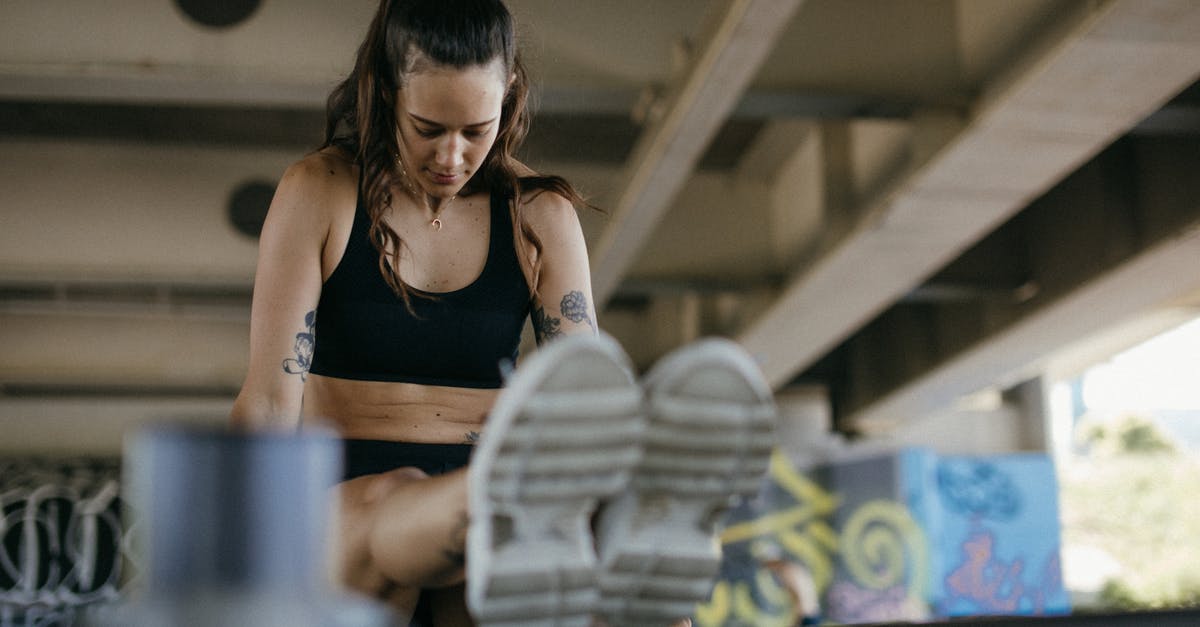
[{"x": 460, "y": 338}]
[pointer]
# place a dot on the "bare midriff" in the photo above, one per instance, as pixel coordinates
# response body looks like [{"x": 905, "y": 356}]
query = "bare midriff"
[{"x": 400, "y": 412}]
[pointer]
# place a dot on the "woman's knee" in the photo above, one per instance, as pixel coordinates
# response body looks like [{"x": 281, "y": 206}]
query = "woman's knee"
[{"x": 361, "y": 493}]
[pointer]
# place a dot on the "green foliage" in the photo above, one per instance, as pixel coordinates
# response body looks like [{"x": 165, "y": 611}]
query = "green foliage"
[
  {"x": 1118, "y": 595},
  {"x": 1144, "y": 510},
  {"x": 1128, "y": 434}
]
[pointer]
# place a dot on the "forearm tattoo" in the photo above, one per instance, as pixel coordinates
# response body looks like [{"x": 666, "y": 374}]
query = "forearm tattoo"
[
  {"x": 575, "y": 307},
  {"x": 471, "y": 437},
  {"x": 545, "y": 326},
  {"x": 305, "y": 340}
]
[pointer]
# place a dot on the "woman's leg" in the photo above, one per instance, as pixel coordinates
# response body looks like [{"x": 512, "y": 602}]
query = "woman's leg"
[
  {"x": 392, "y": 545},
  {"x": 402, "y": 531},
  {"x": 565, "y": 432}
]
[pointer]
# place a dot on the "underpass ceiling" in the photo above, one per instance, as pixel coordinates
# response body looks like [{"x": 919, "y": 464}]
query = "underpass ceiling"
[{"x": 896, "y": 80}]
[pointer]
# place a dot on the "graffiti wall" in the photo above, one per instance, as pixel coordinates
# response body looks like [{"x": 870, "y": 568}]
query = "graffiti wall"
[
  {"x": 904, "y": 536},
  {"x": 61, "y": 538},
  {"x": 996, "y": 529}
]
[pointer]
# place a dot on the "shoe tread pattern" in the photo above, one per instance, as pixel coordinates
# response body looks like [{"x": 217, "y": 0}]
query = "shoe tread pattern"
[
  {"x": 702, "y": 449},
  {"x": 565, "y": 447}
]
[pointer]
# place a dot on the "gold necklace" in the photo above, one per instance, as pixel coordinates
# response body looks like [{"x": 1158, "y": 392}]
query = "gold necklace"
[{"x": 436, "y": 222}]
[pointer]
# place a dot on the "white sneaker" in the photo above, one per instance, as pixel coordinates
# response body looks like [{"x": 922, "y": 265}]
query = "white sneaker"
[
  {"x": 710, "y": 431},
  {"x": 564, "y": 433}
]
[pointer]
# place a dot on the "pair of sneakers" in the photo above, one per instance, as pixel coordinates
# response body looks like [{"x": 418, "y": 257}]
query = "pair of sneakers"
[{"x": 592, "y": 496}]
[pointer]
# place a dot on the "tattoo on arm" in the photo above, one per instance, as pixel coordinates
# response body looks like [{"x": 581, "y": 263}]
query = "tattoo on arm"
[
  {"x": 471, "y": 437},
  {"x": 305, "y": 340},
  {"x": 545, "y": 327},
  {"x": 575, "y": 307}
]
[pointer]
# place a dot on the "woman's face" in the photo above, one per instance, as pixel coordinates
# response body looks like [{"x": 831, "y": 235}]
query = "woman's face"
[{"x": 448, "y": 119}]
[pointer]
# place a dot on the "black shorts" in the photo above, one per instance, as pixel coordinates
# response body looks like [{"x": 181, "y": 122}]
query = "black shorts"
[{"x": 369, "y": 457}]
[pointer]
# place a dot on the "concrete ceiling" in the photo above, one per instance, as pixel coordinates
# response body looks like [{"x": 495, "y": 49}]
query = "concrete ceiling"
[{"x": 902, "y": 200}]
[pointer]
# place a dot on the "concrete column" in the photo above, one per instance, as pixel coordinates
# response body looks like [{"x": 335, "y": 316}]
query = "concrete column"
[{"x": 1031, "y": 401}]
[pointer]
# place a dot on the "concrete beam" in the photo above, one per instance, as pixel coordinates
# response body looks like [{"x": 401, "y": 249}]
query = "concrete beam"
[
  {"x": 667, "y": 152},
  {"x": 785, "y": 164},
  {"x": 182, "y": 87},
  {"x": 123, "y": 350},
  {"x": 1137, "y": 196},
  {"x": 96, "y": 425},
  {"x": 1111, "y": 69},
  {"x": 1152, "y": 278}
]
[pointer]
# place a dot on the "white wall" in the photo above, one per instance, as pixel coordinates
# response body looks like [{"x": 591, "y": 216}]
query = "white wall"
[{"x": 124, "y": 211}]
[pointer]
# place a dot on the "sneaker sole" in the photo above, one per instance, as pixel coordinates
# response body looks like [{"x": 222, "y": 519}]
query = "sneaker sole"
[
  {"x": 710, "y": 433},
  {"x": 563, "y": 434}
]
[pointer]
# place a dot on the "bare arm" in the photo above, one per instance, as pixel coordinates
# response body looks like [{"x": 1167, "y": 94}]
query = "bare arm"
[
  {"x": 562, "y": 302},
  {"x": 287, "y": 286}
]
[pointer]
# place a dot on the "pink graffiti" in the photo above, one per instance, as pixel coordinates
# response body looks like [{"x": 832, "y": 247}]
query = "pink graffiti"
[
  {"x": 989, "y": 582},
  {"x": 846, "y": 602}
]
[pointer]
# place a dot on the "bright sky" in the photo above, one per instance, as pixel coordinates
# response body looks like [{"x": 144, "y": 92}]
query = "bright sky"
[{"x": 1160, "y": 374}]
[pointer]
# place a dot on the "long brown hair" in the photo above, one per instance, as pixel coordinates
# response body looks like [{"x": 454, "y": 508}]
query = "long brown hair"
[{"x": 360, "y": 113}]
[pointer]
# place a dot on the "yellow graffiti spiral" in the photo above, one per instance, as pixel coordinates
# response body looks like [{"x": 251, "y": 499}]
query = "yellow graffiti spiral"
[{"x": 881, "y": 544}]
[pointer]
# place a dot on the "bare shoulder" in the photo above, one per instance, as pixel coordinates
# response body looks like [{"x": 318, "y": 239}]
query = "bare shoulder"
[
  {"x": 549, "y": 214},
  {"x": 314, "y": 195},
  {"x": 325, "y": 175}
]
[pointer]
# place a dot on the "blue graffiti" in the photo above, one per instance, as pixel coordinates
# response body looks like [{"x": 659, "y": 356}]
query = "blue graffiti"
[{"x": 978, "y": 489}]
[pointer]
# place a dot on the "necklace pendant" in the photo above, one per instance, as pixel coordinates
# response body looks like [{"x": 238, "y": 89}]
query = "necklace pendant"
[{"x": 436, "y": 224}]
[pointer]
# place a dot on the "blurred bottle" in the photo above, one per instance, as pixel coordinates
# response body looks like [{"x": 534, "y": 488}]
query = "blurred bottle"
[{"x": 232, "y": 528}]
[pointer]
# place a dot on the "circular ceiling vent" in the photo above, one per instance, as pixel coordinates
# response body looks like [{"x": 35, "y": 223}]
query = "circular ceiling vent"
[
  {"x": 248, "y": 206},
  {"x": 218, "y": 13}
]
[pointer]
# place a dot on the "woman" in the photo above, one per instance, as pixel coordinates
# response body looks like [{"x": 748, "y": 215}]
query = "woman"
[{"x": 396, "y": 268}]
